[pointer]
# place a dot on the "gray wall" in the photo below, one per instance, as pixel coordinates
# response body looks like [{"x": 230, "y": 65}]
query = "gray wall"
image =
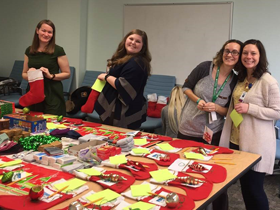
[{"x": 91, "y": 30}]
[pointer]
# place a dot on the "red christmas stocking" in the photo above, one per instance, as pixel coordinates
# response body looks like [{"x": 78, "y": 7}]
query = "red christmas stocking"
[
  {"x": 185, "y": 143},
  {"x": 162, "y": 102},
  {"x": 13, "y": 202},
  {"x": 36, "y": 93},
  {"x": 216, "y": 174},
  {"x": 97, "y": 87},
  {"x": 185, "y": 202},
  {"x": 88, "y": 107},
  {"x": 120, "y": 186},
  {"x": 152, "y": 101},
  {"x": 162, "y": 158}
]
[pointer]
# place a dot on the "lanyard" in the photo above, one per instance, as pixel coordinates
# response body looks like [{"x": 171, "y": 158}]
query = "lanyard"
[{"x": 215, "y": 93}]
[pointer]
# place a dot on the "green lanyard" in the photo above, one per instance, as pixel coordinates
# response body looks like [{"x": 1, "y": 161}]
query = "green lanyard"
[{"x": 215, "y": 93}]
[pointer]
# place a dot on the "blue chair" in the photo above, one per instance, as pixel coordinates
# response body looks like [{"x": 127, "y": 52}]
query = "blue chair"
[
  {"x": 162, "y": 86},
  {"x": 16, "y": 72},
  {"x": 67, "y": 83},
  {"x": 277, "y": 156},
  {"x": 89, "y": 78}
]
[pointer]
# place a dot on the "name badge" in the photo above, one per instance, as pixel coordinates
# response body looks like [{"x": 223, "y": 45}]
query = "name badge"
[{"x": 242, "y": 97}]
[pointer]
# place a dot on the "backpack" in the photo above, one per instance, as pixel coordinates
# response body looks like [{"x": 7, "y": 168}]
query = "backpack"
[{"x": 77, "y": 99}]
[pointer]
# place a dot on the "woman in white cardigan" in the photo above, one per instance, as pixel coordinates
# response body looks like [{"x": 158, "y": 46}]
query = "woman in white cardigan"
[{"x": 257, "y": 98}]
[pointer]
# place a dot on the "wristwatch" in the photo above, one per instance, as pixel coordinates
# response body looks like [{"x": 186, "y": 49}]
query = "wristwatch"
[{"x": 107, "y": 75}]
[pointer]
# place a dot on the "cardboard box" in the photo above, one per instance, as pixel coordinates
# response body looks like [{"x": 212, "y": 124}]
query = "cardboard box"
[
  {"x": 86, "y": 148},
  {"x": 27, "y": 122}
]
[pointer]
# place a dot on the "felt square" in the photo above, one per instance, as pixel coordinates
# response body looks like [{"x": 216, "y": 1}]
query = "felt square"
[
  {"x": 140, "y": 205},
  {"x": 165, "y": 147},
  {"x": 98, "y": 85},
  {"x": 107, "y": 195},
  {"x": 236, "y": 118},
  {"x": 72, "y": 184},
  {"x": 118, "y": 159},
  {"x": 140, "y": 190},
  {"x": 140, "y": 142},
  {"x": 162, "y": 175},
  {"x": 90, "y": 171},
  {"x": 141, "y": 151}
]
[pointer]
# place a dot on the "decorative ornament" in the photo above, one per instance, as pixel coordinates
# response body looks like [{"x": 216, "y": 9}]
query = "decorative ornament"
[
  {"x": 197, "y": 167},
  {"x": 36, "y": 192},
  {"x": 7, "y": 176},
  {"x": 172, "y": 200},
  {"x": 248, "y": 85},
  {"x": 76, "y": 205},
  {"x": 189, "y": 180},
  {"x": 59, "y": 118},
  {"x": 112, "y": 177},
  {"x": 202, "y": 151},
  {"x": 25, "y": 110}
]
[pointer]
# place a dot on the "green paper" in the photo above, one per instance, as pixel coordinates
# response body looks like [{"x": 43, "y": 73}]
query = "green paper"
[
  {"x": 118, "y": 159},
  {"x": 165, "y": 147},
  {"x": 140, "y": 190},
  {"x": 98, "y": 85},
  {"x": 195, "y": 156},
  {"x": 140, "y": 142},
  {"x": 236, "y": 118},
  {"x": 107, "y": 195},
  {"x": 140, "y": 205},
  {"x": 49, "y": 116},
  {"x": 10, "y": 163},
  {"x": 162, "y": 175},
  {"x": 141, "y": 151},
  {"x": 90, "y": 172},
  {"x": 72, "y": 185}
]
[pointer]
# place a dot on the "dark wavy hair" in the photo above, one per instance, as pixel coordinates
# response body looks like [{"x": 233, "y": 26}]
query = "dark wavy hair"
[
  {"x": 35, "y": 43},
  {"x": 218, "y": 59},
  {"x": 261, "y": 68},
  {"x": 121, "y": 56}
]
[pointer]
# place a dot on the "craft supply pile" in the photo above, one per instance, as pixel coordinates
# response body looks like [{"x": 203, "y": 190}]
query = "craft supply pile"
[{"x": 46, "y": 160}]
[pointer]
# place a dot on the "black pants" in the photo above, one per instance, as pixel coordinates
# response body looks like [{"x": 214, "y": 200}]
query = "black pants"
[
  {"x": 221, "y": 203},
  {"x": 253, "y": 192},
  {"x": 252, "y": 188}
]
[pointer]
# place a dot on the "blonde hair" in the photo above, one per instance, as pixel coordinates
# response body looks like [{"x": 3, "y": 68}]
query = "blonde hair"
[{"x": 177, "y": 101}]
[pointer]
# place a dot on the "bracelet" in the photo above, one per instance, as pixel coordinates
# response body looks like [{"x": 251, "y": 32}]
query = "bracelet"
[
  {"x": 198, "y": 100},
  {"x": 106, "y": 77},
  {"x": 53, "y": 76}
]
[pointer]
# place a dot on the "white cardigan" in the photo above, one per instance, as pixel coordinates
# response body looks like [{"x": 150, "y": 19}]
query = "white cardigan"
[{"x": 257, "y": 132}]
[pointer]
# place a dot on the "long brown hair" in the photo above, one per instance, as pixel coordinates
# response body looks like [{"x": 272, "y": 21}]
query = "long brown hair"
[
  {"x": 218, "y": 59},
  {"x": 121, "y": 56},
  {"x": 35, "y": 43},
  {"x": 262, "y": 66}
]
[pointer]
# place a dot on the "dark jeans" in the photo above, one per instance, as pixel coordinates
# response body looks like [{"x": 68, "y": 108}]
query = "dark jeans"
[
  {"x": 253, "y": 192},
  {"x": 252, "y": 188},
  {"x": 221, "y": 203}
]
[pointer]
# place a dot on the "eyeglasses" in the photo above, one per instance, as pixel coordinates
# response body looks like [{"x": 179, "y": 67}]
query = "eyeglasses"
[{"x": 233, "y": 53}]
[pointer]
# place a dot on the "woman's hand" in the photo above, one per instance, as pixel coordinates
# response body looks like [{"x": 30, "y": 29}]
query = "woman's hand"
[
  {"x": 46, "y": 72},
  {"x": 209, "y": 107},
  {"x": 241, "y": 108},
  {"x": 101, "y": 76},
  {"x": 201, "y": 104}
]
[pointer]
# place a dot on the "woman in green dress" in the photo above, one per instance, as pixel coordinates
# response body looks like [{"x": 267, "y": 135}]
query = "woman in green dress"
[{"x": 46, "y": 56}]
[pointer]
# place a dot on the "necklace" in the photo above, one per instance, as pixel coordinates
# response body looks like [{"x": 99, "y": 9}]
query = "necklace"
[{"x": 248, "y": 85}]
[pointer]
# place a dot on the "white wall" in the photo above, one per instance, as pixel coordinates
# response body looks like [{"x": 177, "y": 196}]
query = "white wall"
[
  {"x": 91, "y": 35},
  {"x": 258, "y": 19},
  {"x": 18, "y": 20}
]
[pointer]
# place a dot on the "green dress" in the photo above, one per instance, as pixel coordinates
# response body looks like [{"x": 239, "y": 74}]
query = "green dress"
[{"x": 54, "y": 102}]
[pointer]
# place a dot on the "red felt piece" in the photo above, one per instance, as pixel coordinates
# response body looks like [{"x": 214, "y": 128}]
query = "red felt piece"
[
  {"x": 216, "y": 174},
  {"x": 221, "y": 150},
  {"x": 91, "y": 124},
  {"x": 143, "y": 171},
  {"x": 36, "y": 93},
  {"x": 169, "y": 161},
  {"x": 88, "y": 107},
  {"x": 118, "y": 187},
  {"x": 196, "y": 194},
  {"x": 185, "y": 143},
  {"x": 13, "y": 202},
  {"x": 186, "y": 203},
  {"x": 151, "y": 108}
]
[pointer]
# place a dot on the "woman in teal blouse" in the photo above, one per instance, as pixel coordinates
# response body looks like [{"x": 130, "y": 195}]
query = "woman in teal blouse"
[{"x": 46, "y": 56}]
